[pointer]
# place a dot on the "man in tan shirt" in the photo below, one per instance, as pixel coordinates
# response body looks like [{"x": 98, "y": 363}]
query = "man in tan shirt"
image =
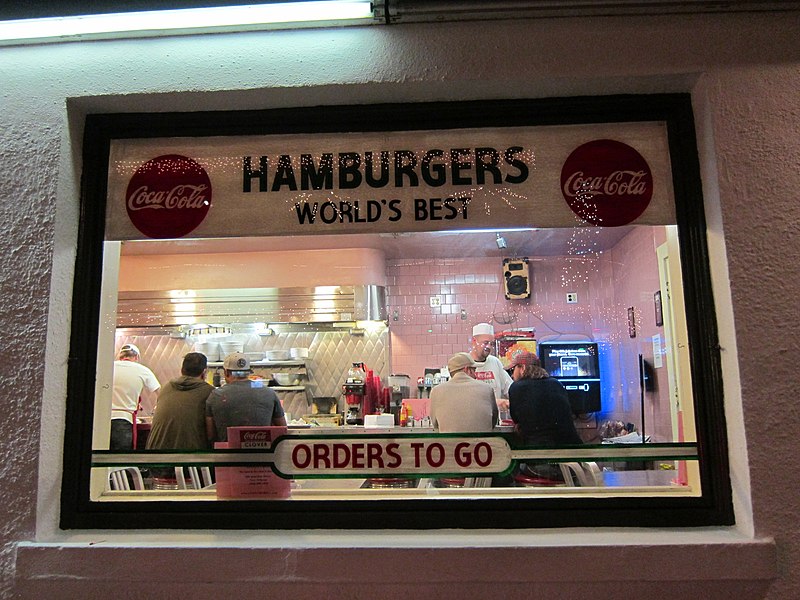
[{"x": 462, "y": 404}]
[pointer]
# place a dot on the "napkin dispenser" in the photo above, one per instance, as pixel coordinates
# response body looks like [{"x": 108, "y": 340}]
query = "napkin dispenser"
[{"x": 378, "y": 421}]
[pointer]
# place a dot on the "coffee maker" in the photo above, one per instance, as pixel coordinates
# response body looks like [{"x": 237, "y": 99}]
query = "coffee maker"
[
  {"x": 354, "y": 390},
  {"x": 400, "y": 385}
]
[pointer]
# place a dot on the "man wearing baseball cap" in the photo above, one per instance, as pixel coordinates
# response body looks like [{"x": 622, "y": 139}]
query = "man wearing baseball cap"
[
  {"x": 129, "y": 380},
  {"x": 488, "y": 368},
  {"x": 541, "y": 412},
  {"x": 539, "y": 404},
  {"x": 462, "y": 403},
  {"x": 240, "y": 402}
]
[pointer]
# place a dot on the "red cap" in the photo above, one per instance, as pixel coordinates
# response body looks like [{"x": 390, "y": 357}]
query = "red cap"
[{"x": 524, "y": 358}]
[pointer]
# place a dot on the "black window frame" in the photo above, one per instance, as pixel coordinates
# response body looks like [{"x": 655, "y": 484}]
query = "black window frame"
[{"x": 713, "y": 508}]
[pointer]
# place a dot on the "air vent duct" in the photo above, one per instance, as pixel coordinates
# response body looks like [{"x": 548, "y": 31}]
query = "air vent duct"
[{"x": 322, "y": 304}]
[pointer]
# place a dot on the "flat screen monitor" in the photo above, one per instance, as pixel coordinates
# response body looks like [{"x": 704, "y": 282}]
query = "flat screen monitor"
[{"x": 577, "y": 366}]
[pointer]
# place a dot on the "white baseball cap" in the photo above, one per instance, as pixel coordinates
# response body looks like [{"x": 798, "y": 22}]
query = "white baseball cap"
[{"x": 130, "y": 348}]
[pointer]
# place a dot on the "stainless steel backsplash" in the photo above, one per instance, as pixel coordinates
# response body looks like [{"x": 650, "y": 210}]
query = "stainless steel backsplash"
[{"x": 331, "y": 354}]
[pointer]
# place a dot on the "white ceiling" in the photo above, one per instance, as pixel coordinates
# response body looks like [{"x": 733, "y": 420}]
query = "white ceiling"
[{"x": 543, "y": 242}]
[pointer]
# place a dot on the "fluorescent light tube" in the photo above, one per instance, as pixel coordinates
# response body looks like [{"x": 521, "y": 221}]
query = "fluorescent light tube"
[{"x": 249, "y": 17}]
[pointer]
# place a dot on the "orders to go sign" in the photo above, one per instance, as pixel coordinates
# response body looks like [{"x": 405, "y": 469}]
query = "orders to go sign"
[{"x": 387, "y": 456}]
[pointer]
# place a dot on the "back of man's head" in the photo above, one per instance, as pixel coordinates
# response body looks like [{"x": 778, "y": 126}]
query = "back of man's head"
[
  {"x": 128, "y": 352},
  {"x": 194, "y": 364},
  {"x": 460, "y": 361}
]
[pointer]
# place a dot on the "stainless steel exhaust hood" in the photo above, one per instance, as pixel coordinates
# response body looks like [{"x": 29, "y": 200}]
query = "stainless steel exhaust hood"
[{"x": 322, "y": 304}]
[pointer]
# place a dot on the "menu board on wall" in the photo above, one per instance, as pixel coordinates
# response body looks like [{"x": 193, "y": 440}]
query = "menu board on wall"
[{"x": 302, "y": 184}]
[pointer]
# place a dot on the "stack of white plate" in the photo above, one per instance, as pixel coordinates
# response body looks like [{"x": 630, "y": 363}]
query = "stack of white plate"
[
  {"x": 226, "y": 348},
  {"x": 210, "y": 349},
  {"x": 297, "y": 353}
]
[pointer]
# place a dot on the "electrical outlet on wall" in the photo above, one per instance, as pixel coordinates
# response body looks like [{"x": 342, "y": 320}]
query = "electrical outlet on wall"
[{"x": 572, "y": 297}]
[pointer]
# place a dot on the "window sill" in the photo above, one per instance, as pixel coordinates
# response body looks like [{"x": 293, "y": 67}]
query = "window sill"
[{"x": 716, "y": 563}]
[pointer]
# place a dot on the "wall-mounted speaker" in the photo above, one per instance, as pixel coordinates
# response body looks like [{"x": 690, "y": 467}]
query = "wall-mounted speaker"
[{"x": 516, "y": 278}]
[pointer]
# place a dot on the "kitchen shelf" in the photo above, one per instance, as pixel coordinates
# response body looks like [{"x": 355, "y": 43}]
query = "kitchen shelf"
[
  {"x": 297, "y": 367},
  {"x": 268, "y": 363}
]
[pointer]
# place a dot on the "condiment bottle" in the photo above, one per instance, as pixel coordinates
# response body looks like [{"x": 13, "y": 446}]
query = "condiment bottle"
[{"x": 403, "y": 415}]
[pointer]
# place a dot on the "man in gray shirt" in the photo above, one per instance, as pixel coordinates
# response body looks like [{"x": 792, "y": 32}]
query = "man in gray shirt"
[
  {"x": 462, "y": 404},
  {"x": 240, "y": 402}
]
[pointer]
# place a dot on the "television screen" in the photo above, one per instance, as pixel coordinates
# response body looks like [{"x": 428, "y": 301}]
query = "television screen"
[
  {"x": 577, "y": 366},
  {"x": 570, "y": 359}
]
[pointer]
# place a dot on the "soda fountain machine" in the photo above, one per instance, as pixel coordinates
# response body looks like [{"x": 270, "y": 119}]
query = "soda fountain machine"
[{"x": 354, "y": 390}]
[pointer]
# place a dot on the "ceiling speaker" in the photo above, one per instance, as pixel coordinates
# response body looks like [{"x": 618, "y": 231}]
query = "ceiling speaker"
[{"x": 516, "y": 278}]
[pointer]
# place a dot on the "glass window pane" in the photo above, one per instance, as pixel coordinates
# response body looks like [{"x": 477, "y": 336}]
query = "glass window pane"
[
  {"x": 349, "y": 267},
  {"x": 598, "y": 314}
]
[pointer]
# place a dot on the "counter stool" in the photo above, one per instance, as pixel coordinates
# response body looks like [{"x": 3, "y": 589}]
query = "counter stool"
[
  {"x": 451, "y": 482},
  {"x": 192, "y": 479},
  {"x": 122, "y": 478},
  {"x": 523, "y": 477},
  {"x": 198, "y": 478},
  {"x": 523, "y": 480}
]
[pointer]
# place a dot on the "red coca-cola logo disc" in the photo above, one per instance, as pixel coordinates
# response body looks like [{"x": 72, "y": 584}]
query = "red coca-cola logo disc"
[
  {"x": 168, "y": 196},
  {"x": 607, "y": 183}
]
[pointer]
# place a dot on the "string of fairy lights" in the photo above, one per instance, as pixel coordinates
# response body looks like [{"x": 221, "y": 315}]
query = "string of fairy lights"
[
  {"x": 338, "y": 203},
  {"x": 577, "y": 267}
]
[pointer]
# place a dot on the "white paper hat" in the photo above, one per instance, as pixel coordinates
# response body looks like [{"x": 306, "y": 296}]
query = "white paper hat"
[{"x": 483, "y": 329}]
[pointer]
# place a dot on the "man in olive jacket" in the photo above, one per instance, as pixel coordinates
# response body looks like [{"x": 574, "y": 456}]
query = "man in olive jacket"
[{"x": 179, "y": 420}]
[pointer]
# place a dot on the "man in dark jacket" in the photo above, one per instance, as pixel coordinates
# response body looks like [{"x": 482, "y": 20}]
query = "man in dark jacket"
[
  {"x": 179, "y": 420},
  {"x": 539, "y": 404},
  {"x": 541, "y": 412}
]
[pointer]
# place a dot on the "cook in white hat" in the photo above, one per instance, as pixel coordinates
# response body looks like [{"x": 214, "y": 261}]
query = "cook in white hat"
[
  {"x": 482, "y": 341},
  {"x": 129, "y": 352},
  {"x": 130, "y": 380},
  {"x": 488, "y": 367}
]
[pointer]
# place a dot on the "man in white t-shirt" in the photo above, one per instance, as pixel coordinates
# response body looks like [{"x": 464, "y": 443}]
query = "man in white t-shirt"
[
  {"x": 130, "y": 378},
  {"x": 488, "y": 368}
]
